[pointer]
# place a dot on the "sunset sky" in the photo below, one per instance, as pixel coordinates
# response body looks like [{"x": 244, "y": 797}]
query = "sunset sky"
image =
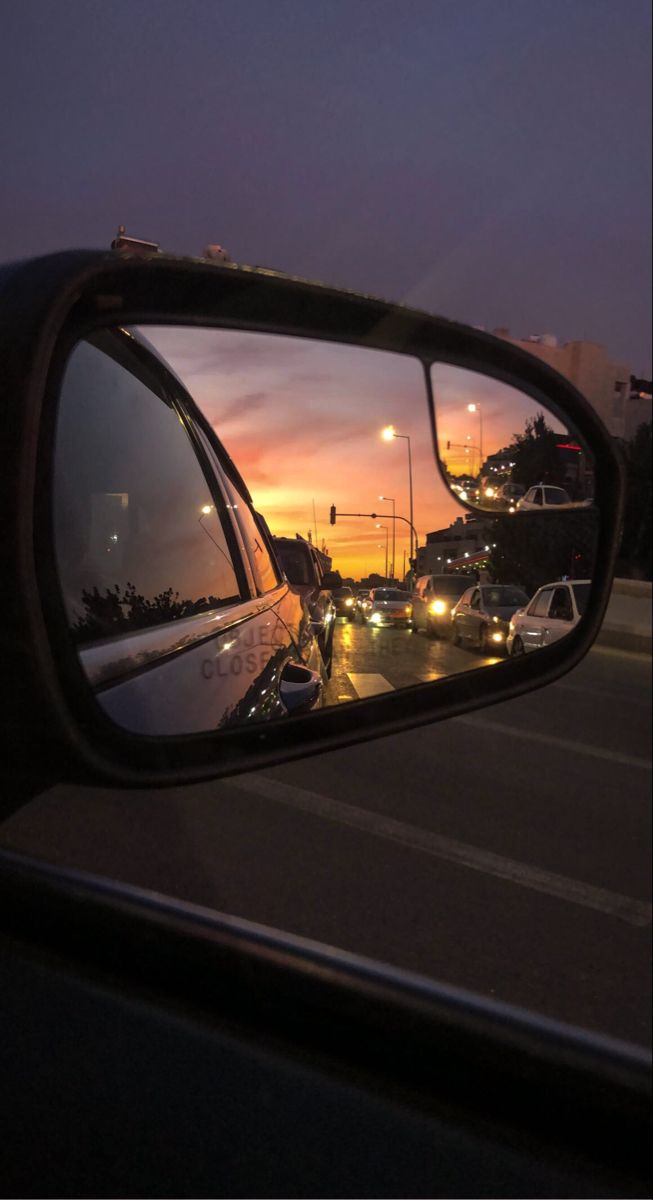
[
  {"x": 303, "y": 419},
  {"x": 488, "y": 160}
]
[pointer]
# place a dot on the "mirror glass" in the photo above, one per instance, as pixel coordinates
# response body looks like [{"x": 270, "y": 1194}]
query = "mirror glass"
[
  {"x": 250, "y": 526},
  {"x": 500, "y": 451}
]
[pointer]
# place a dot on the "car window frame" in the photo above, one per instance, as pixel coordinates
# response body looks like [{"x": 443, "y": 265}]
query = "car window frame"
[
  {"x": 242, "y": 502},
  {"x": 530, "y": 612}
]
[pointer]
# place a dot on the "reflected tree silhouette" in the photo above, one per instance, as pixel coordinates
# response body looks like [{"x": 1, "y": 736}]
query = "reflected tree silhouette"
[
  {"x": 117, "y": 611},
  {"x": 539, "y": 548}
]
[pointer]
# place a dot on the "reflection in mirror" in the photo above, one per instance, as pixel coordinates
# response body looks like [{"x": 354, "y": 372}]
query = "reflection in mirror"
[
  {"x": 250, "y": 526},
  {"x": 500, "y": 451}
]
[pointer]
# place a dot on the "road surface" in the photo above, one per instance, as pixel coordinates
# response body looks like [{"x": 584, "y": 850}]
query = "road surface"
[
  {"x": 507, "y": 851},
  {"x": 369, "y": 660}
]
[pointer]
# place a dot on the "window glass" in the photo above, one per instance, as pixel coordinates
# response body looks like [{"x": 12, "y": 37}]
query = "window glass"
[
  {"x": 561, "y": 607},
  {"x": 504, "y": 597},
  {"x": 555, "y": 496},
  {"x": 265, "y": 572},
  {"x": 137, "y": 536},
  {"x": 476, "y": 600},
  {"x": 263, "y": 567},
  {"x": 296, "y": 562},
  {"x": 540, "y": 606}
]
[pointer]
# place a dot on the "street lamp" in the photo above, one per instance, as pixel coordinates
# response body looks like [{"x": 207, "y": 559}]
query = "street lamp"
[
  {"x": 391, "y": 501},
  {"x": 388, "y": 434},
  {"x": 477, "y": 408},
  {"x": 378, "y": 526}
]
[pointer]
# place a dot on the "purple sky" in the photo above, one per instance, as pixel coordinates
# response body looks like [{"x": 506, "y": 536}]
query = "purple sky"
[{"x": 485, "y": 159}]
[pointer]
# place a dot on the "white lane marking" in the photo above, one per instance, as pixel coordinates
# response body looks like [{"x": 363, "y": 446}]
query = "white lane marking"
[
  {"x": 547, "y": 739},
  {"x": 633, "y": 912},
  {"x": 368, "y": 684}
]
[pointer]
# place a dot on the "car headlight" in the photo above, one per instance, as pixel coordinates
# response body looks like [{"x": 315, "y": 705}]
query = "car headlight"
[
  {"x": 497, "y": 637},
  {"x": 375, "y": 618},
  {"x": 349, "y": 603},
  {"x": 439, "y": 608},
  {"x": 408, "y": 610}
]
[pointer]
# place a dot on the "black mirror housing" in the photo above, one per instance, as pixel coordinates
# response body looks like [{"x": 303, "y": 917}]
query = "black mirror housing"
[{"x": 46, "y": 307}]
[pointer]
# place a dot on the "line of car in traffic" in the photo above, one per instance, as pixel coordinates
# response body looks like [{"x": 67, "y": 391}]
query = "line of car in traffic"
[{"x": 491, "y": 618}]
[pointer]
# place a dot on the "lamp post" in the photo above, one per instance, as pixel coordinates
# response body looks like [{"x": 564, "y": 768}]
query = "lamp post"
[
  {"x": 478, "y": 408},
  {"x": 394, "y": 526},
  {"x": 386, "y": 548},
  {"x": 388, "y": 434}
]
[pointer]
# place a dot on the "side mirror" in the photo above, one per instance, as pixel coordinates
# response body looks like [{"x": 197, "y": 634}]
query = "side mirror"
[{"x": 150, "y": 629}]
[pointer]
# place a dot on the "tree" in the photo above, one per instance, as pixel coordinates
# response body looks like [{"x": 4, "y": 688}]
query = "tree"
[
  {"x": 531, "y": 548},
  {"x": 535, "y": 454},
  {"x": 118, "y": 612}
]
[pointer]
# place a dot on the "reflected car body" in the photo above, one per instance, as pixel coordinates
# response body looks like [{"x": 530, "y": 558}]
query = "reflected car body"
[
  {"x": 305, "y": 575},
  {"x": 552, "y": 613},
  {"x": 344, "y": 602},
  {"x": 545, "y": 495},
  {"x": 510, "y": 493},
  {"x": 388, "y": 606},
  {"x": 482, "y": 615},
  {"x": 433, "y": 598},
  {"x": 362, "y": 601},
  {"x": 161, "y": 666}
]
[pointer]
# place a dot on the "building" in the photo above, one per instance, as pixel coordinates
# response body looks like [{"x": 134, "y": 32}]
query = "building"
[
  {"x": 606, "y": 384},
  {"x": 465, "y": 538}
]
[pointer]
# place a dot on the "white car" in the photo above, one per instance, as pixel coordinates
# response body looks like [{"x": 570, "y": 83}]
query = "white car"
[
  {"x": 388, "y": 606},
  {"x": 544, "y": 495},
  {"x": 552, "y": 613}
]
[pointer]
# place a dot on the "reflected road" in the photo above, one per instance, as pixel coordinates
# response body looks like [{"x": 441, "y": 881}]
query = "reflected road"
[{"x": 368, "y": 661}]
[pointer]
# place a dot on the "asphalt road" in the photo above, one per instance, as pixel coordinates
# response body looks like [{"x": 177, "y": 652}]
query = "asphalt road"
[
  {"x": 507, "y": 851},
  {"x": 369, "y": 660}
]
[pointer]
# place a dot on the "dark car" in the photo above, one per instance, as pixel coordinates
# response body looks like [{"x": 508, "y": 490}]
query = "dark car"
[
  {"x": 176, "y": 603},
  {"x": 433, "y": 599},
  {"x": 345, "y": 602},
  {"x": 304, "y": 573},
  {"x": 482, "y": 615}
]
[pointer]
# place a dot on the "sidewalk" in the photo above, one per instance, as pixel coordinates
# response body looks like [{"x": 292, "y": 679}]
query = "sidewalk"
[{"x": 627, "y": 623}]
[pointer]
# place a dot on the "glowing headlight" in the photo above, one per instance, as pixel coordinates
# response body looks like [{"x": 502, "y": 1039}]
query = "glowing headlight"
[
  {"x": 439, "y": 608},
  {"x": 497, "y": 637},
  {"x": 490, "y": 492},
  {"x": 349, "y": 603},
  {"x": 496, "y": 620},
  {"x": 375, "y": 618},
  {"x": 408, "y": 609}
]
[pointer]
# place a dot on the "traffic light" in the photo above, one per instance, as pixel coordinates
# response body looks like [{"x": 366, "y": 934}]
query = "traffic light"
[{"x": 332, "y": 515}]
